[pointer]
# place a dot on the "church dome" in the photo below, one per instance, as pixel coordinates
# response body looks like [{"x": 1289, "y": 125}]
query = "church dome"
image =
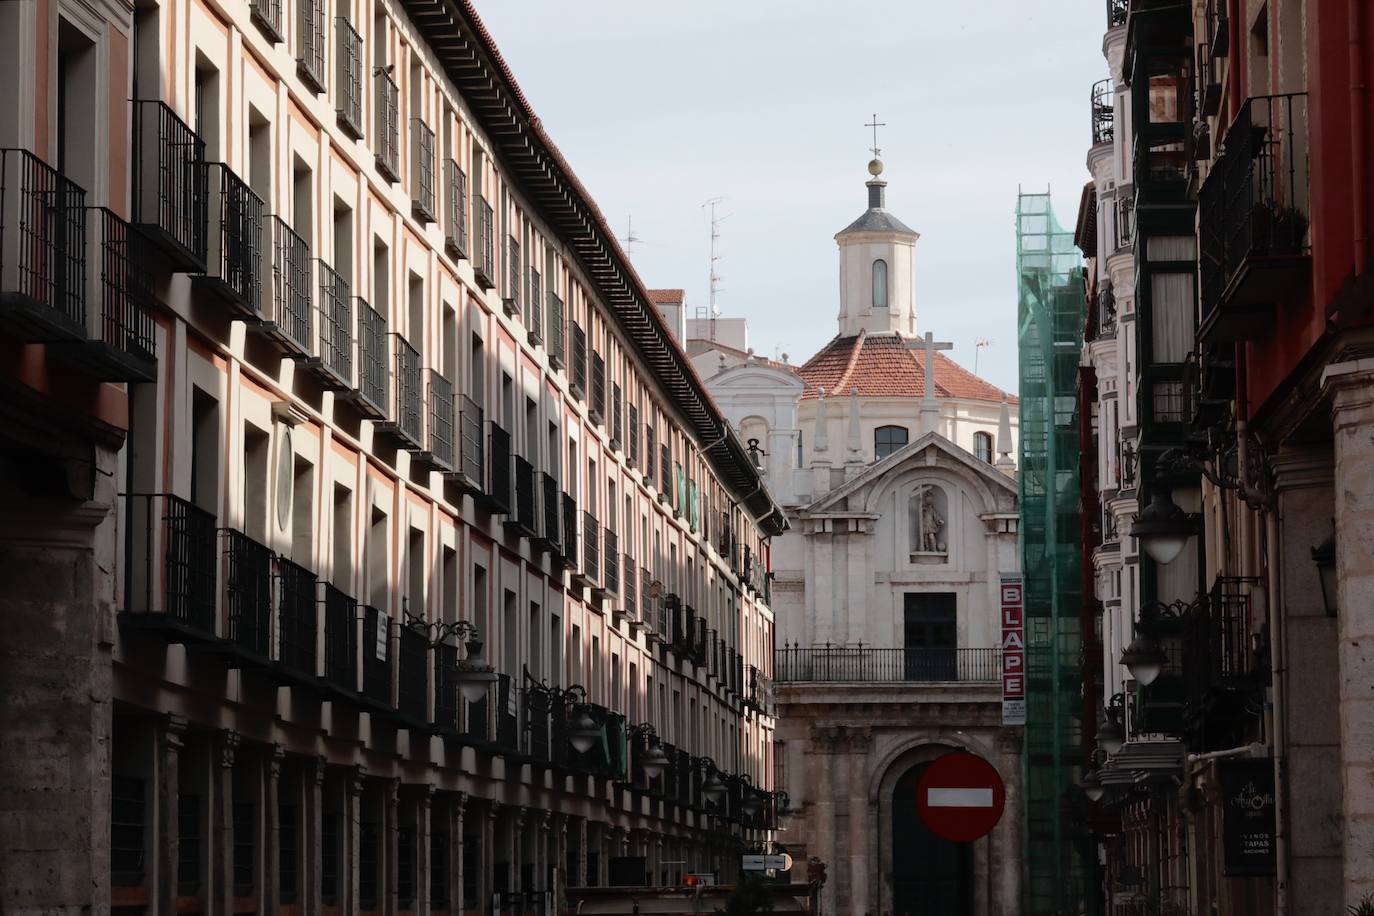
[{"x": 884, "y": 366}]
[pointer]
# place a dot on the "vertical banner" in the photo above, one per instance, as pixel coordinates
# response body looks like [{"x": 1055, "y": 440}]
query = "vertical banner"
[
  {"x": 1247, "y": 796},
  {"x": 1013, "y": 651}
]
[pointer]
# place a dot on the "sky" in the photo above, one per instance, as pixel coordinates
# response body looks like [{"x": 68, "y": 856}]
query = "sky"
[{"x": 660, "y": 106}]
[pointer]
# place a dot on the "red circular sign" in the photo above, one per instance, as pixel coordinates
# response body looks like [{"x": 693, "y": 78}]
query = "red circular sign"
[{"x": 960, "y": 797}]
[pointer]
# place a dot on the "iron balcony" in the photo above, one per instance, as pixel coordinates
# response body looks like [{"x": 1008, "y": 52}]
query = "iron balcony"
[
  {"x": 234, "y": 240},
  {"x": 42, "y": 250},
  {"x": 170, "y": 191},
  {"x": 867, "y": 664}
]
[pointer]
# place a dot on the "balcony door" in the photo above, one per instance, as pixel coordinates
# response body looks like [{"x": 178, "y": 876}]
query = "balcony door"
[{"x": 929, "y": 636}]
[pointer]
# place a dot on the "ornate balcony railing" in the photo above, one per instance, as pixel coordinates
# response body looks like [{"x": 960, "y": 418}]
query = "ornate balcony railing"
[
  {"x": 1117, "y": 10},
  {"x": 865, "y": 664},
  {"x": 349, "y": 77},
  {"x": 170, "y": 192},
  {"x": 407, "y": 411},
  {"x": 387, "y": 128},
  {"x": 1103, "y": 112},
  {"x": 340, "y": 638},
  {"x": 42, "y": 249},
  {"x": 455, "y": 209},
  {"x": 471, "y": 444},
  {"x": 310, "y": 17},
  {"x": 336, "y": 326},
  {"x": 170, "y": 551},
  {"x": 234, "y": 241},
  {"x": 247, "y": 591},
  {"x": 292, "y": 319},
  {"x": 124, "y": 323},
  {"x": 440, "y": 419},
  {"x": 296, "y": 617}
]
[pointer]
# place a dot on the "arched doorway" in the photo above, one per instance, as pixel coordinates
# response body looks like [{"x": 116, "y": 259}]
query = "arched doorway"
[{"x": 930, "y": 876}]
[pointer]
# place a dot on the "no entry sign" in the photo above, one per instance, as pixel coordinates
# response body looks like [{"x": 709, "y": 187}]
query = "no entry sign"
[{"x": 960, "y": 797}]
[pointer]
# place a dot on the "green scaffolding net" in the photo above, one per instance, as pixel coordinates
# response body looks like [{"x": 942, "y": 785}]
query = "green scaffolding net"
[{"x": 1050, "y": 328}]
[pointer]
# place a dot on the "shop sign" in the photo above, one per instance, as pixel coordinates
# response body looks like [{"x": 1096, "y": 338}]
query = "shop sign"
[
  {"x": 1013, "y": 651},
  {"x": 1247, "y": 796}
]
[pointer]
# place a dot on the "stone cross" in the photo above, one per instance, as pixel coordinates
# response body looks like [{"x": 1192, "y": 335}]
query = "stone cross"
[{"x": 930, "y": 345}]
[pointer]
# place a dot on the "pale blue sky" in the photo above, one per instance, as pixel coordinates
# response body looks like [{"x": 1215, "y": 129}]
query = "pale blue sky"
[{"x": 659, "y": 106}]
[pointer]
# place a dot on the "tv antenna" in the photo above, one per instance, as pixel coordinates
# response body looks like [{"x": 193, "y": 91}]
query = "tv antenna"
[
  {"x": 630, "y": 238},
  {"x": 715, "y": 237},
  {"x": 979, "y": 346}
]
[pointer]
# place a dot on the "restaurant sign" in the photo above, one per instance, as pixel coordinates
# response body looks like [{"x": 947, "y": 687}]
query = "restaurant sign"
[{"x": 1247, "y": 795}]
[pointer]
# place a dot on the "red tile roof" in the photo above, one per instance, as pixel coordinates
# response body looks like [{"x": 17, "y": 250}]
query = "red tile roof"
[
  {"x": 883, "y": 366},
  {"x": 666, "y": 296}
]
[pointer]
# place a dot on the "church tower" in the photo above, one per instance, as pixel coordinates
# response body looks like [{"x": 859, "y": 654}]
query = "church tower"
[{"x": 877, "y": 268}]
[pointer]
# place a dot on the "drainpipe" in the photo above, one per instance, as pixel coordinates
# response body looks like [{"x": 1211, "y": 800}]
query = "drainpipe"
[
  {"x": 1359, "y": 192},
  {"x": 1278, "y": 670}
]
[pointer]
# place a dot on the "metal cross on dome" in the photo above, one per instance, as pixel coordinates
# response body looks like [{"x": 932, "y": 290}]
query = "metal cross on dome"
[{"x": 875, "y": 124}]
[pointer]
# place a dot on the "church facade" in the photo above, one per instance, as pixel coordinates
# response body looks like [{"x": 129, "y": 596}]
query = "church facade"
[{"x": 895, "y": 468}]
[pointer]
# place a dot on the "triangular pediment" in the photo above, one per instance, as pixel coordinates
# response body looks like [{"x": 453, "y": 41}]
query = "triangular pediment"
[
  {"x": 914, "y": 452},
  {"x": 755, "y": 375}
]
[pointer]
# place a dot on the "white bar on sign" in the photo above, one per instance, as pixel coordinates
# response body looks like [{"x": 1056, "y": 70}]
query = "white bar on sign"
[{"x": 959, "y": 798}]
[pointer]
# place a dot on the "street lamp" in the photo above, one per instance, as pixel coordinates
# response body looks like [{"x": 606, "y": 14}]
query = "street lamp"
[
  {"x": 473, "y": 675},
  {"x": 1112, "y": 735},
  {"x": 1324, "y": 556},
  {"x": 1162, "y": 527},
  {"x": 653, "y": 761},
  {"x": 713, "y": 788},
  {"x": 1144, "y": 659},
  {"x": 583, "y": 733},
  {"x": 1092, "y": 786}
]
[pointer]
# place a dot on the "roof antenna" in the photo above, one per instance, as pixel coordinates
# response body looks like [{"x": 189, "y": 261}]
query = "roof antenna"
[
  {"x": 715, "y": 277},
  {"x": 630, "y": 238},
  {"x": 979, "y": 346}
]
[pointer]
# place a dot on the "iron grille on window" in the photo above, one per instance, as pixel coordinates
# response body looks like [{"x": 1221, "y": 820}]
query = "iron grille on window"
[
  {"x": 286, "y": 852},
  {"x": 412, "y": 681},
  {"x": 248, "y": 591},
  {"x": 245, "y": 849},
  {"x": 372, "y": 374},
  {"x": 598, "y": 404},
  {"x": 523, "y": 479},
  {"x": 486, "y": 244},
  {"x": 552, "y": 531},
  {"x": 501, "y": 486},
  {"x": 329, "y": 858},
  {"x": 471, "y": 442},
  {"x": 579, "y": 360},
  {"x": 1103, "y": 112},
  {"x": 534, "y": 308},
  {"x": 591, "y": 548},
  {"x": 127, "y": 818},
  {"x": 336, "y": 324},
  {"x": 170, "y": 190},
  {"x": 569, "y": 531},
  {"x": 456, "y": 209},
  {"x": 511, "y": 301},
  {"x": 291, "y": 286},
  {"x": 631, "y": 589},
  {"x": 296, "y": 617},
  {"x": 409, "y": 395},
  {"x": 190, "y": 843},
  {"x": 267, "y": 14},
  {"x": 349, "y": 79},
  {"x": 632, "y": 446},
  {"x": 557, "y": 337},
  {"x": 377, "y": 656},
  {"x": 1125, "y": 221},
  {"x": 172, "y": 560},
  {"x": 665, "y": 478},
  {"x": 611, "y": 565},
  {"x": 126, "y": 301},
  {"x": 422, "y": 171},
  {"x": 310, "y": 38},
  {"x": 441, "y": 418},
  {"x": 617, "y": 417},
  {"x": 42, "y": 238},
  {"x": 340, "y": 639},
  {"x": 649, "y": 452},
  {"x": 388, "y": 129},
  {"x": 234, "y": 239}
]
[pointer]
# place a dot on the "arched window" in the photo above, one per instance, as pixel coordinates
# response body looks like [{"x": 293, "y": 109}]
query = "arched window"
[
  {"x": 886, "y": 440},
  {"x": 880, "y": 284},
  {"x": 982, "y": 447}
]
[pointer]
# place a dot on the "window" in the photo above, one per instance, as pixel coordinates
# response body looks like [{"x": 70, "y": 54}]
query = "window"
[
  {"x": 929, "y": 635},
  {"x": 880, "y": 284},
  {"x": 888, "y": 439},
  {"x": 982, "y": 447}
]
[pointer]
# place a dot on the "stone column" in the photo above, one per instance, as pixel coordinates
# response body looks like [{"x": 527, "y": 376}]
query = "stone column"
[
  {"x": 221, "y": 900},
  {"x": 457, "y": 876},
  {"x": 1311, "y": 672},
  {"x": 423, "y": 865},
  {"x": 1350, "y": 385},
  {"x": 354, "y": 780},
  {"x": 390, "y": 832},
  {"x": 823, "y": 812},
  {"x": 583, "y": 838},
  {"x": 560, "y": 870},
  {"x": 860, "y": 828},
  {"x": 486, "y": 884},
  {"x": 312, "y": 837},
  {"x": 170, "y": 743},
  {"x": 270, "y": 891}
]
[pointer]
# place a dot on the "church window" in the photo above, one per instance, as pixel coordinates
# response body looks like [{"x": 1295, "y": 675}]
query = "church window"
[
  {"x": 888, "y": 439},
  {"x": 880, "y": 284},
  {"x": 982, "y": 447}
]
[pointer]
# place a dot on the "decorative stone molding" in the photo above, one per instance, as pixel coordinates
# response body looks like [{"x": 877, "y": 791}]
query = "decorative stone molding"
[{"x": 227, "y": 748}]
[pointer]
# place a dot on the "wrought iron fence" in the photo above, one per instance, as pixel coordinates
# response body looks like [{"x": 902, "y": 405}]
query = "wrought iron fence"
[
  {"x": 441, "y": 418},
  {"x": 408, "y": 410},
  {"x": 372, "y": 374},
  {"x": 1103, "y": 112},
  {"x": 523, "y": 478},
  {"x": 579, "y": 359},
  {"x": 296, "y": 616},
  {"x": 291, "y": 286},
  {"x": 170, "y": 557},
  {"x": 569, "y": 531},
  {"x": 349, "y": 78},
  {"x": 412, "y": 679},
  {"x": 1125, "y": 221},
  {"x": 552, "y": 531},
  {"x": 247, "y": 591},
  {"x": 387, "y": 128},
  {"x": 126, "y": 299},
  {"x": 336, "y": 323},
  {"x": 42, "y": 236},
  {"x": 611, "y": 561},
  {"x": 486, "y": 243},
  {"x": 446, "y": 687},
  {"x": 860, "y": 664},
  {"x": 557, "y": 338},
  {"x": 234, "y": 238},
  {"x": 455, "y": 209},
  {"x": 340, "y": 638},
  {"x": 1117, "y": 11},
  {"x": 471, "y": 441},
  {"x": 170, "y": 192},
  {"x": 310, "y": 15},
  {"x": 591, "y": 548},
  {"x": 598, "y": 401},
  {"x": 377, "y": 655},
  {"x": 421, "y": 170},
  {"x": 500, "y": 489},
  {"x": 267, "y": 14}
]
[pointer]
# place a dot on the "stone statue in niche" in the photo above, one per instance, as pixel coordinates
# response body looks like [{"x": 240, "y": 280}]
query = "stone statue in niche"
[{"x": 928, "y": 512}]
